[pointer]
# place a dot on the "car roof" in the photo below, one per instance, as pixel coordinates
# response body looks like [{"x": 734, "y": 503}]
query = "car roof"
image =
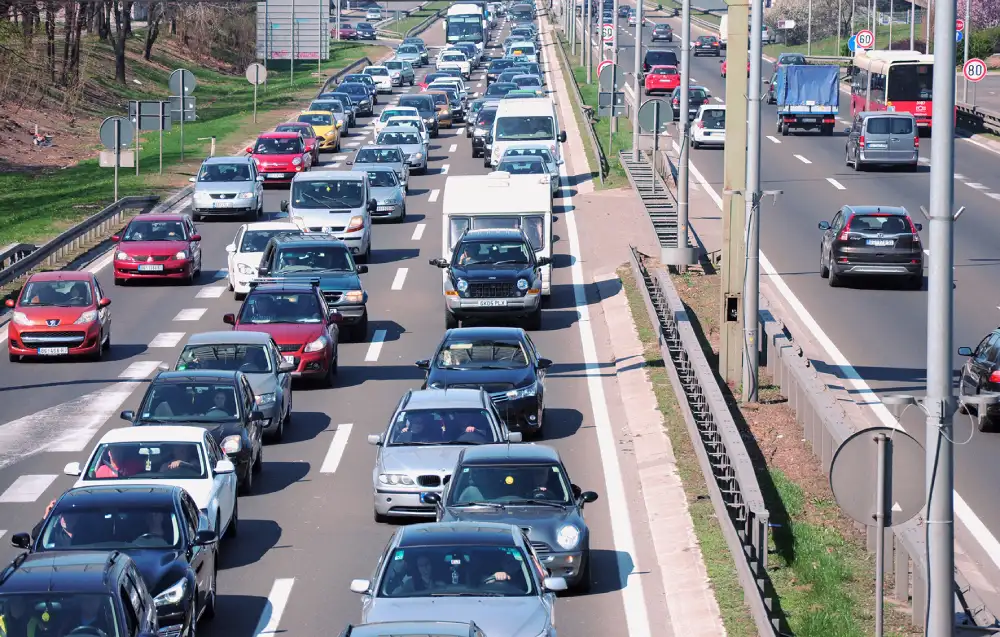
[
  {"x": 401, "y": 129},
  {"x": 525, "y": 158},
  {"x": 315, "y": 238},
  {"x": 867, "y": 114},
  {"x": 277, "y": 135},
  {"x": 484, "y": 333},
  {"x": 457, "y": 533},
  {"x": 879, "y": 210},
  {"x": 379, "y": 147},
  {"x": 510, "y": 454},
  {"x": 62, "y": 275},
  {"x": 188, "y": 375},
  {"x": 494, "y": 233},
  {"x": 374, "y": 66},
  {"x": 231, "y": 337},
  {"x": 450, "y": 397},
  {"x": 231, "y": 159},
  {"x": 173, "y": 433},
  {"x": 272, "y": 225},
  {"x": 327, "y": 175},
  {"x": 119, "y": 494},
  {"x": 60, "y": 572}
]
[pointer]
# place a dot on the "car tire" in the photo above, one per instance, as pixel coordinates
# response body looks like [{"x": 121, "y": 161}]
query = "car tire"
[
  {"x": 824, "y": 269},
  {"x": 784, "y": 129},
  {"x": 916, "y": 282},
  {"x": 451, "y": 321},
  {"x": 208, "y": 613},
  {"x": 379, "y": 518},
  {"x": 233, "y": 529},
  {"x": 278, "y": 433},
  {"x": 14, "y": 358},
  {"x": 534, "y": 322},
  {"x": 258, "y": 464},
  {"x": 583, "y": 585},
  {"x": 360, "y": 331},
  {"x": 402, "y": 216},
  {"x": 694, "y": 144},
  {"x": 329, "y": 380},
  {"x": 833, "y": 279},
  {"x": 246, "y": 488}
]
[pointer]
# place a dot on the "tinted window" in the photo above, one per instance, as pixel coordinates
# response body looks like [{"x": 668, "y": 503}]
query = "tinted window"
[
  {"x": 249, "y": 359},
  {"x": 318, "y": 119},
  {"x": 885, "y": 224},
  {"x": 382, "y": 178},
  {"x": 486, "y": 117},
  {"x": 890, "y": 126},
  {"x": 18, "y": 609},
  {"x": 224, "y": 172},
  {"x": 340, "y": 193},
  {"x": 279, "y": 146},
  {"x": 419, "y": 103},
  {"x": 329, "y": 105},
  {"x": 437, "y": 570},
  {"x": 155, "y": 231},
  {"x": 467, "y": 354},
  {"x": 147, "y": 461},
  {"x": 378, "y": 156},
  {"x": 256, "y": 240},
  {"x": 521, "y": 167},
  {"x": 667, "y": 58},
  {"x": 519, "y": 127},
  {"x": 110, "y": 527},
  {"x": 910, "y": 82},
  {"x": 665, "y": 71},
  {"x": 398, "y": 138},
  {"x": 190, "y": 402},
  {"x": 492, "y": 252},
  {"x": 312, "y": 259}
]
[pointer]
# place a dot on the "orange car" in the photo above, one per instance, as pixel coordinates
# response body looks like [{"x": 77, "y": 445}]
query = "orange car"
[{"x": 443, "y": 107}]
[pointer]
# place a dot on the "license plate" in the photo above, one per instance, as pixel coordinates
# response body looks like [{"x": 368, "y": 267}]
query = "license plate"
[
  {"x": 53, "y": 351},
  {"x": 880, "y": 242},
  {"x": 222, "y": 204},
  {"x": 492, "y": 303},
  {"x": 876, "y": 145},
  {"x": 275, "y": 175},
  {"x": 809, "y": 120},
  {"x": 151, "y": 268},
  {"x": 288, "y": 359}
]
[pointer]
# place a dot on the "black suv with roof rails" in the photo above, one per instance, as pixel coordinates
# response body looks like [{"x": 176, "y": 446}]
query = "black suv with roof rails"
[
  {"x": 981, "y": 375},
  {"x": 658, "y": 57},
  {"x": 871, "y": 241}
]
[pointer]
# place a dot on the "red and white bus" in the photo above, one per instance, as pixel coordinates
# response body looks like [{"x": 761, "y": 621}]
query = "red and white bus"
[{"x": 893, "y": 81}]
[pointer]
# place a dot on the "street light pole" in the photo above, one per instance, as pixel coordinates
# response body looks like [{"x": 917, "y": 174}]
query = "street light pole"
[
  {"x": 590, "y": 42},
  {"x": 636, "y": 84},
  {"x": 684, "y": 121},
  {"x": 751, "y": 284},
  {"x": 614, "y": 63},
  {"x": 965, "y": 57},
  {"x": 809, "y": 30},
  {"x": 913, "y": 20}
]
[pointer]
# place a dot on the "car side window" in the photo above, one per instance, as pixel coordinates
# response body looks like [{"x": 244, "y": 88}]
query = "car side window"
[
  {"x": 992, "y": 351},
  {"x": 532, "y": 350},
  {"x": 191, "y": 515},
  {"x": 247, "y": 397},
  {"x": 142, "y": 608},
  {"x": 216, "y": 449},
  {"x": 213, "y": 458},
  {"x": 97, "y": 288},
  {"x": 838, "y": 221},
  {"x": 131, "y": 617},
  {"x": 540, "y": 570}
]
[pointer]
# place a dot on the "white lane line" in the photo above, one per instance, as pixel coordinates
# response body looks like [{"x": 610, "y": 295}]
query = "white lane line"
[
  {"x": 836, "y": 184},
  {"x": 480, "y": 85},
  {"x": 211, "y": 292},
  {"x": 774, "y": 139},
  {"x": 335, "y": 164},
  {"x": 3, "y": 532},
  {"x": 336, "y": 450},
  {"x": 339, "y": 157},
  {"x": 352, "y": 144},
  {"x": 28, "y": 488},
  {"x": 277, "y": 599},
  {"x": 927, "y": 252},
  {"x": 960, "y": 176},
  {"x": 191, "y": 314},
  {"x": 718, "y": 99},
  {"x": 453, "y": 148},
  {"x": 993, "y": 195},
  {"x": 434, "y": 196},
  {"x": 460, "y": 131},
  {"x": 976, "y": 185},
  {"x": 139, "y": 370},
  {"x": 418, "y": 232},
  {"x": 166, "y": 339},
  {"x": 445, "y": 168},
  {"x": 802, "y": 159},
  {"x": 375, "y": 348},
  {"x": 924, "y": 160},
  {"x": 397, "y": 282}
]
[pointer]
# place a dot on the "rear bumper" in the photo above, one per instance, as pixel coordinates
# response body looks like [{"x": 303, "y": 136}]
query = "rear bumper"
[{"x": 865, "y": 268}]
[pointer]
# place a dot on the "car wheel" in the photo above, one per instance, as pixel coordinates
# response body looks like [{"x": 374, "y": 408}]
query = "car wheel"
[
  {"x": 258, "y": 465},
  {"x": 534, "y": 322},
  {"x": 916, "y": 282},
  {"x": 450, "y": 320},
  {"x": 360, "y": 331},
  {"x": 784, "y": 129},
  {"x": 278, "y": 433},
  {"x": 14, "y": 358},
  {"x": 234, "y": 524},
  {"x": 119, "y": 281},
  {"x": 694, "y": 144},
  {"x": 246, "y": 488},
  {"x": 583, "y": 585},
  {"x": 402, "y": 216},
  {"x": 380, "y": 519},
  {"x": 329, "y": 379},
  {"x": 208, "y": 613},
  {"x": 833, "y": 279},
  {"x": 857, "y": 163},
  {"x": 824, "y": 270},
  {"x": 98, "y": 354}
]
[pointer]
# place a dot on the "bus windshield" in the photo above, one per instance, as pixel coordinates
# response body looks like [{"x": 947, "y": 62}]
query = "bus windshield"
[
  {"x": 465, "y": 28},
  {"x": 910, "y": 83}
]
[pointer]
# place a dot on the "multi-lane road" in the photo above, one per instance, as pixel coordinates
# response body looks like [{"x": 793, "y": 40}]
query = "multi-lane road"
[{"x": 307, "y": 529}]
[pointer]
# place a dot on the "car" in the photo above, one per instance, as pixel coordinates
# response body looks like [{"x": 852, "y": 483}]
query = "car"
[
  {"x": 350, "y": 105},
  {"x": 258, "y": 356},
  {"x": 309, "y": 136},
  {"x": 470, "y": 51},
  {"x": 401, "y": 72},
  {"x": 493, "y": 274},
  {"x": 392, "y": 111},
  {"x": 624, "y": 11},
  {"x": 410, "y": 53},
  {"x": 414, "y": 629},
  {"x": 348, "y": 32},
  {"x": 334, "y": 202},
  {"x": 709, "y": 126},
  {"x": 706, "y": 45},
  {"x": 228, "y": 186},
  {"x": 697, "y": 95},
  {"x": 59, "y": 313},
  {"x": 159, "y": 527},
  {"x": 426, "y": 110},
  {"x": 789, "y": 59},
  {"x": 765, "y": 35},
  {"x": 382, "y": 78},
  {"x": 724, "y": 64},
  {"x": 106, "y": 583},
  {"x": 455, "y": 104},
  {"x": 421, "y": 47},
  {"x": 662, "y": 32},
  {"x": 530, "y": 68},
  {"x": 374, "y": 14},
  {"x": 658, "y": 57},
  {"x": 341, "y": 114},
  {"x": 529, "y": 83},
  {"x": 871, "y": 241},
  {"x": 365, "y": 31},
  {"x": 166, "y": 455},
  {"x": 525, "y": 150},
  {"x": 443, "y": 105},
  {"x": 503, "y": 361},
  {"x": 414, "y": 124},
  {"x": 453, "y": 83},
  {"x": 386, "y": 156},
  {"x": 509, "y": 75},
  {"x": 220, "y": 402},
  {"x": 455, "y": 59},
  {"x": 632, "y": 19},
  {"x": 661, "y": 79},
  {"x": 520, "y": 94},
  {"x": 410, "y": 142},
  {"x": 163, "y": 246},
  {"x": 530, "y": 485},
  {"x": 246, "y": 249},
  {"x": 388, "y": 193},
  {"x": 322, "y": 256},
  {"x": 525, "y": 165},
  {"x": 880, "y": 138},
  {"x": 419, "y": 447},
  {"x": 481, "y": 128},
  {"x": 461, "y": 562},
  {"x": 361, "y": 96},
  {"x": 500, "y": 89},
  {"x": 430, "y": 77},
  {"x": 324, "y": 123},
  {"x": 280, "y": 156},
  {"x": 980, "y": 375},
  {"x": 472, "y": 113},
  {"x": 365, "y": 79}
]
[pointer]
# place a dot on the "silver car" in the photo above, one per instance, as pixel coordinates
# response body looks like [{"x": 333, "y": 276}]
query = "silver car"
[
  {"x": 388, "y": 194},
  {"x": 379, "y": 156},
  {"x": 410, "y": 142},
  {"x": 411, "y": 54},
  {"x": 254, "y": 354},
  {"x": 401, "y": 72},
  {"x": 228, "y": 186},
  {"x": 340, "y": 115},
  {"x": 450, "y": 571},
  {"x": 419, "y": 449},
  {"x": 540, "y": 150},
  {"x": 414, "y": 629}
]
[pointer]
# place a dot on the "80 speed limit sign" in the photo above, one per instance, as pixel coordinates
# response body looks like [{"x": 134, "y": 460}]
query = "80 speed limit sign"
[{"x": 974, "y": 70}]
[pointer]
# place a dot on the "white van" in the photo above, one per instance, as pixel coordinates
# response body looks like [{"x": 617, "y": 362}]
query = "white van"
[
  {"x": 724, "y": 30},
  {"x": 518, "y": 121},
  {"x": 500, "y": 200}
]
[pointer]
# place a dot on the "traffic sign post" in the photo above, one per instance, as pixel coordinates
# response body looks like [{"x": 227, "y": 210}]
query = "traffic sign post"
[
  {"x": 146, "y": 116},
  {"x": 116, "y": 133},
  {"x": 182, "y": 82},
  {"x": 864, "y": 39},
  {"x": 958, "y": 36},
  {"x": 960, "y": 24},
  {"x": 852, "y": 44},
  {"x": 654, "y": 116},
  {"x": 607, "y": 32},
  {"x": 602, "y": 66},
  {"x": 256, "y": 75}
]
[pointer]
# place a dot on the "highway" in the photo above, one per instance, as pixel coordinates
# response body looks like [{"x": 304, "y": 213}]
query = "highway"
[
  {"x": 307, "y": 529},
  {"x": 878, "y": 330}
]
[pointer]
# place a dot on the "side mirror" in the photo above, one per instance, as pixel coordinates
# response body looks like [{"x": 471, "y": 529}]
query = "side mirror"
[
  {"x": 588, "y": 497},
  {"x": 104, "y": 302},
  {"x": 360, "y": 586},
  {"x": 20, "y": 540},
  {"x": 206, "y": 537},
  {"x": 965, "y": 351},
  {"x": 372, "y": 206},
  {"x": 128, "y": 415},
  {"x": 72, "y": 469},
  {"x": 225, "y": 466},
  {"x": 285, "y": 367},
  {"x": 562, "y": 137},
  {"x": 249, "y": 150},
  {"x": 163, "y": 367},
  {"x": 544, "y": 261},
  {"x": 229, "y": 319},
  {"x": 432, "y": 498},
  {"x": 918, "y": 226},
  {"x": 284, "y": 206},
  {"x": 192, "y": 179},
  {"x": 361, "y": 269},
  {"x": 515, "y": 436},
  {"x": 555, "y": 584},
  {"x": 544, "y": 363},
  {"x": 350, "y": 163},
  {"x": 440, "y": 263},
  {"x": 824, "y": 225},
  {"x": 336, "y": 317},
  {"x": 262, "y": 270},
  {"x": 423, "y": 364},
  {"x": 9, "y": 303},
  {"x": 116, "y": 238},
  {"x": 767, "y": 81},
  {"x": 231, "y": 248},
  {"x": 260, "y": 178},
  {"x": 320, "y": 139},
  {"x": 196, "y": 237},
  {"x": 375, "y": 440}
]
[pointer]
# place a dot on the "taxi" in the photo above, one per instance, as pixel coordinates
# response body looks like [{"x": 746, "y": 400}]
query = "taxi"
[
  {"x": 158, "y": 246},
  {"x": 324, "y": 123}
]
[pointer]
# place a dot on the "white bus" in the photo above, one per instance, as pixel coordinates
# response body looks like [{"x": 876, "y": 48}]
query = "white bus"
[{"x": 466, "y": 22}]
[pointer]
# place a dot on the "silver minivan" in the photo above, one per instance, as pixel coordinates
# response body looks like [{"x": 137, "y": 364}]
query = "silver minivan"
[
  {"x": 883, "y": 137},
  {"x": 334, "y": 202}
]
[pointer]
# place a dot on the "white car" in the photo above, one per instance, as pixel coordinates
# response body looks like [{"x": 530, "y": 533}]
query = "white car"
[
  {"x": 451, "y": 82},
  {"x": 709, "y": 126},
  {"x": 246, "y": 250},
  {"x": 382, "y": 77},
  {"x": 414, "y": 121},
  {"x": 167, "y": 455},
  {"x": 393, "y": 111},
  {"x": 373, "y": 15},
  {"x": 454, "y": 59}
]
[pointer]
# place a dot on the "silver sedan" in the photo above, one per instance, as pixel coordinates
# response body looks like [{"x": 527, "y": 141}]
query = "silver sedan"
[
  {"x": 388, "y": 194},
  {"x": 410, "y": 142}
]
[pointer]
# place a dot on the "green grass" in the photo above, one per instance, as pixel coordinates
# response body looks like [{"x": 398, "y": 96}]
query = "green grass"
[
  {"x": 38, "y": 206},
  {"x": 415, "y": 18},
  {"x": 828, "y": 46},
  {"x": 673, "y": 4}
]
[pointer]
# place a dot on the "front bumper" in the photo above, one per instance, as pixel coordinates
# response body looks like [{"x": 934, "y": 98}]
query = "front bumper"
[
  {"x": 41, "y": 340},
  {"x": 386, "y": 211},
  {"x": 352, "y": 314},
  {"x": 223, "y": 207},
  {"x": 514, "y": 307},
  {"x": 404, "y": 503},
  {"x": 396, "y": 80},
  {"x": 329, "y": 143},
  {"x": 174, "y": 619},
  {"x": 307, "y": 364},
  {"x": 171, "y": 269},
  {"x": 569, "y": 564}
]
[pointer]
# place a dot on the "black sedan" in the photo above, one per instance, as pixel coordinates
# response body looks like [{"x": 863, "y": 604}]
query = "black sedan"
[
  {"x": 495, "y": 68},
  {"x": 220, "y": 401},
  {"x": 871, "y": 241},
  {"x": 159, "y": 527},
  {"x": 365, "y": 31},
  {"x": 501, "y": 360},
  {"x": 707, "y": 45},
  {"x": 981, "y": 376}
]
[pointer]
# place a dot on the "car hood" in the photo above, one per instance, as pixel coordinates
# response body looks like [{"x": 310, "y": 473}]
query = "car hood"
[
  {"x": 160, "y": 568},
  {"x": 384, "y": 193},
  {"x": 541, "y": 522},
  {"x": 418, "y": 459},
  {"x": 411, "y": 149},
  {"x": 498, "y": 273},
  {"x": 268, "y": 160},
  {"x": 285, "y": 333},
  {"x": 398, "y": 167},
  {"x": 224, "y": 186},
  {"x": 491, "y": 380},
  {"x": 263, "y": 383},
  {"x": 408, "y": 57},
  {"x": 199, "y": 488},
  {"x": 327, "y": 280},
  {"x": 62, "y": 315},
  {"x": 152, "y": 247},
  {"x": 323, "y": 131},
  {"x": 506, "y": 616}
]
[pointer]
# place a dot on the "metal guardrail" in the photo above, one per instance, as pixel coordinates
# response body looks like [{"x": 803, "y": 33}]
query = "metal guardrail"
[
  {"x": 423, "y": 26},
  {"x": 979, "y": 118},
  {"x": 577, "y": 97},
  {"x": 725, "y": 462},
  {"x": 656, "y": 197}
]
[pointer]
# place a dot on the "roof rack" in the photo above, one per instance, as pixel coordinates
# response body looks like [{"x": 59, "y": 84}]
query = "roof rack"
[{"x": 272, "y": 280}]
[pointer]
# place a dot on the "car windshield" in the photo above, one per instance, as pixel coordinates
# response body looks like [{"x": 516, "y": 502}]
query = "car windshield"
[
  {"x": 57, "y": 294},
  {"x": 522, "y": 166},
  {"x": 442, "y": 427},
  {"x": 663, "y": 71},
  {"x": 418, "y": 103},
  {"x": 359, "y": 77},
  {"x": 500, "y": 65},
  {"x": 336, "y": 193},
  {"x": 147, "y": 460},
  {"x": 224, "y": 172},
  {"x": 382, "y": 178},
  {"x": 510, "y": 484},
  {"x": 345, "y": 99},
  {"x": 482, "y": 354},
  {"x": 406, "y": 121},
  {"x": 527, "y": 80},
  {"x": 453, "y": 57},
  {"x": 791, "y": 59},
  {"x": 190, "y": 401},
  {"x": 155, "y": 231},
  {"x": 111, "y": 527},
  {"x": 508, "y": 76},
  {"x": 492, "y": 253},
  {"x": 525, "y": 127},
  {"x": 65, "y": 612},
  {"x": 304, "y": 128},
  {"x": 354, "y": 89},
  {"x": 407, "y": 50},
  {"x": 465, "y": 571},
  {"x": 281, "y": 307},
  {"x": 880, "y": 224},
  {"x": 500, "y": 89},
  {"x": 378, "y": 156},
  {"x": 372, "y": 70},
  {"x": 346, "y": 27},
  {"x": 256, "y": 240},
  {"x": 249, "y": 359},
  {"x": 395, "y": 66},
  {"x": 486, "y": 117},
  {"x": 313, "y": 259},
  {"x": 439, "y": 98},
  {"x": 541, "y": 153},
  {"x": 278, "y": 146},
  {"x": 393, "y": 112},
  {"x": 333, "y": 106},
  {"x": 399, "y": 138},
  {"x": 316, "y": 119}
]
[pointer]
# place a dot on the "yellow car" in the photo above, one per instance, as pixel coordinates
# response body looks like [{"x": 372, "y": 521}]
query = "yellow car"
[{"x": 325, "y": 125}]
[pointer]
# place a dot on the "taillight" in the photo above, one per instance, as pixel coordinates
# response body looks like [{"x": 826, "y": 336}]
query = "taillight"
[
  {"x": 861, "y": 141},
  {"x": 995, "y": 377},
  {"x": 846, "y": 230},
  {"x": 916, "y": 141},
  {"x": 913, "y": 229},
  {"x": 700, "y": 124}
]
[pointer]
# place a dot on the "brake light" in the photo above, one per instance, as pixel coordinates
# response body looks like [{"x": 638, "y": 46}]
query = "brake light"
[
  {"x": 913, "y": 229},
  {"x": 861, "y": 141},
  {"x": 995, "y": 377},
  {"x": 846, "y": 230},
  {"x": 700, "y": 124},
  {"x": 916, "y": 141}
]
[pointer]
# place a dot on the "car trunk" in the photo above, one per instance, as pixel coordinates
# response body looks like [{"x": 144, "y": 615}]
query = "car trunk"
[{"x": 880, "y": 238}]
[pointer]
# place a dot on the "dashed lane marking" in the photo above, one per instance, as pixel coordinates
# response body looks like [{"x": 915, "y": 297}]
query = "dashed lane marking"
[
  {"x": 434, "y": 195},
  {"x": 277, "y": 599},
  {"x": 211, "y": 292},
  {"x": 352, "y": 144},
  {"x": 453, "y": 148},
  {"x": 166, "y": 339},
  {"x": 976, "y": 185},
  {"x": 375, "y": 347},
  {"x": 718, "y": 99},
  {"x": 460, "y": 131},
  {"x": 191, "y": 314},
  {"x": 445, "y": 168},
  {"x": 802, "y": 159},
  {"x": 139, "y": 370},
  {"x": 400, "y": 278},
  {"x": 28, "y": 488},
  {"x": 836, "y": 184},
  {"x": 336, "y": 450},
  {"x": 774, "y": 139},
  {"x": 418, "y": 232}
]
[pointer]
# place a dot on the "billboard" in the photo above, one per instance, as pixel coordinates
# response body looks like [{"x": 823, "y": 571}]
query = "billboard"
[{"x": 293, "y": 30}]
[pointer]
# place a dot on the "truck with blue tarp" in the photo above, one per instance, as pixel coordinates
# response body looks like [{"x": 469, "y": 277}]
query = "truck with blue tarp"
[{"x": 808, "y": 97}]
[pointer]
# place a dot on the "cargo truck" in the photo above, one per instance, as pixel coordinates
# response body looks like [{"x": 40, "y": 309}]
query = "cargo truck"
[{"x": 808, "y": 97}]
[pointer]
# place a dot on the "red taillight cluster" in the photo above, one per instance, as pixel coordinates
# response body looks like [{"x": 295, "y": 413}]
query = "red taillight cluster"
[
  {"x": 861, "y": 141},
  {"x": 847, "y": 229},
  {"x": 916, "y": 141},
  {"x": 995, "y": 377},
  {"x": 700, "y": 124}
]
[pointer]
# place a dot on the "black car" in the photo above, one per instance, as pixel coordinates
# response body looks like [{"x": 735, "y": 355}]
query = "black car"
[
  {"x": 436, "y": 75},
  {"x": 981, "y": 375},
  {"x": 659, "y": 57},
  {"x": 171, "y": 542},
  {"x": 871, "y": 241},
  {"x": 495, "y": 68},
  {"x": 526, "y": 485},
  {"x": 624, "y": 11},
  {"x": 482, "y": 128},
  {"x": 662, "y": 32},
  {"x": 425, "y": 108},
  {"x": 360, "y": 95},
  {"x": 501, "y": 360},
  {"x": 697, "y": 96},
  {"x": 350, "y": 104},
  {"x": 499, "y": 89},
  {"x": 365, "y": 31},
  {"x": 75, "y": 594},
  {"x": 222, "y": 402},
  {"x": 790, "y": 59},
  {"x": 707, "y": 45}
]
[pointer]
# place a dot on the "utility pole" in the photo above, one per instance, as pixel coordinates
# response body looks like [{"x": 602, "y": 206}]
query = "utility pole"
[
  {"x": 684, "y": 121},
  {"x": 913, "y": 22},
  {"x": 614, "y": 61},
  {"x": 809, "y": 30},
  {"x": 965, "y": 57},
  {"x": 927, "y": 28},
  {"x": 752, "y": 195},
  {"x": 636, "y": 84},
  {"x": 590, "y": 42}
]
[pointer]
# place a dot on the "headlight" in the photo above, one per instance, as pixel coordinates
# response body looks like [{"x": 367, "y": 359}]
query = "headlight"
[
  {"x": 232, "y": 444},
  {"x": 297, "y": 161},
  {"x": 523, "y": 392},
  {"x": 87, "y": 317},
  {"x": 395, "y": 478},
  {"x": 418, "y": 156},
  {"x": 522, "y": 284},
  {"x": 173, "y": 595},
  {"x": 355, "y": 296},
  {"x": 20, "y": 318},
  {"x": 121, "y": 256},
  {"x": 317, "y": 345},
  {"x": 245, "y": 195},
  {"x": 265, "y": 399},
  {"x": 568, "y": 537},
  {"x": 429, "y": 120},
  {"x": 183, "y": 254},
  {"x": 461, "y": 285},
  {"x": 243, "y": 268}
]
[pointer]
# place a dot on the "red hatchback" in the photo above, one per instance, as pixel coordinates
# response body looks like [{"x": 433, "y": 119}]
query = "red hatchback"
[
  {"x": 165, "y": 246},
  {"x": 308, "y": 134},
  {"x": 662, "y": 78},
  {"x": 280, "y": 156},
  {"x": 59, "y": 314},
  {"x": 347, "y": 32}
]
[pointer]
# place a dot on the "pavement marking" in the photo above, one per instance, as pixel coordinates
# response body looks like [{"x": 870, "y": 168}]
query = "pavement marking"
[
  {"x": 336, "y": 450},
  {"x": 339, "y": 157},
  {"x": 335, "y": 164},
  {"x": 453, "y": 148},
  {"x": 718, "y": 99},
  {"x": 976, "y": 185},
  {"x": 352, "y": 144},
  {"x": 375, "y": 347},
  {"x": 836, "y": 184},
  {"x": 445, "y": 168},
  {"x": 139, "y": 370},
  {"x": 802, "y": 159},
  {"x": 983, "y": 146},
  {"x": 434, "y": 196},
  {"x": 211, "y": 292},
  {"x": 28, "y": 488},
  {"x": 191, "y": 314},
  {"x": 927, "y": 252},
  {"x": 960, "y": 176},
  {"x": 460, "y": 131},
  {"x": 924, "y": 160},
  {"x": 166, "y": 339},
  {"x": 397, "y": 282},
  {"x": 3, "y": 532},
  {"x": 774, "y": 139},
  {"x": 842, "y": 120},
  {"x": 994, "y": 195},
  {"x": 277, "y": 599},
  {"x": 418, "y": 232}
]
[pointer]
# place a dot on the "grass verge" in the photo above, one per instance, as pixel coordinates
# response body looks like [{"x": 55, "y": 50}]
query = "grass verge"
[{"x": 405, "y": 24}]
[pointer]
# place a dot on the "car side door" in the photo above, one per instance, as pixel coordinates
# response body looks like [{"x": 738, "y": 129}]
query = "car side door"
[
  {"x": 332, "y": 329},
  {"x": 238, "y": 241},
  {"x": 983, "y": 361},
  {"x": 284, "y": 378},
  {"x": 194, "y": 246},
  {"x": 853, "y": 136},
  {"x": 132, "y": 613},
  {"x": 103, "y": 313},
  {"x": 258, "y": 183},
  {"x": 146, "y": 607},
  {"x": 254, "y": 428}
]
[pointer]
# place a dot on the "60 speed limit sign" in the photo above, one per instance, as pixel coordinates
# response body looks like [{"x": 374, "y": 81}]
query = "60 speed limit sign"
[
  {"x": 608, "y": 32},
  {"x": 865, "y": 39},
  {"x": 974, "y": 70}
]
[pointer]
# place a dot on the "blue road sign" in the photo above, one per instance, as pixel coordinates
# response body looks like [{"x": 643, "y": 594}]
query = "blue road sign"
[
  {"x": 958, "y": 36},
  {"x": 852, "y": 44}
]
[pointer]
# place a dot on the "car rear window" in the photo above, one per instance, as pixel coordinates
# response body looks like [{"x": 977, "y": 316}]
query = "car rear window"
[
  {"x": 890, "y": 126},
  {"x": 884, "y": 224},
  {"x": 664, "y": 71}
]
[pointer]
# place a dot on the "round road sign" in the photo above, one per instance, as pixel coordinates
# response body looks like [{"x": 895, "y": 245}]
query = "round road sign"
[
  {"x": 865, "y": 39},
  {"x": 958, "y": 36},
  {"x": 256, "y": 73},
  {"x": 655, "y": 115},
  {"x": 607, "y": 32},
  {"x": 608, "y": 78},
  {"x": 600, "y": 67},
  {"x": 974, "y": 70},
  {"x": 126, "y": 132},
  {"x": 181, "y": 79},
  {"x": 960, "y": 24}
]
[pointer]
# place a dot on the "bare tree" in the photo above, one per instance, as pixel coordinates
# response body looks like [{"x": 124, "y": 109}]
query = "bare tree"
[
  {"x": 156, "y": 15},
  {"x": 120, "y": 10}
]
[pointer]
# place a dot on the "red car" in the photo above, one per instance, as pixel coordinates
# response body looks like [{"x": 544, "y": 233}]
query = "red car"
[
  {"x": 662, "y": 78},
  {"x": 297, "y": 318},
  {"x": 164, "y": 246},
  {"x": 347, "y": 32},
  {"x": 60, "y": 313},
  {"x": 280, "y": 156},
  {"x": 308, "y": 135},
  {"x": 724, "y": 68}
]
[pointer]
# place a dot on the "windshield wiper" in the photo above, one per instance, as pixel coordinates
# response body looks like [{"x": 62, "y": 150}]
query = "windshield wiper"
[
  {"x": 495, "y": 367},
  {"x": 477, "y": 503},
  {"x": 482, "y": 594},
  {"x": 545, "y": 503},
  {"x": 510, "y": 262}
]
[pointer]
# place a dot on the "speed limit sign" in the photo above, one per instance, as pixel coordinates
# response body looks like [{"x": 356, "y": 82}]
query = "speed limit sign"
[
  {"x": 608, "y": 32},
  {"x": 865, "y": 39},
  {"x": 974, "y": 70}
]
